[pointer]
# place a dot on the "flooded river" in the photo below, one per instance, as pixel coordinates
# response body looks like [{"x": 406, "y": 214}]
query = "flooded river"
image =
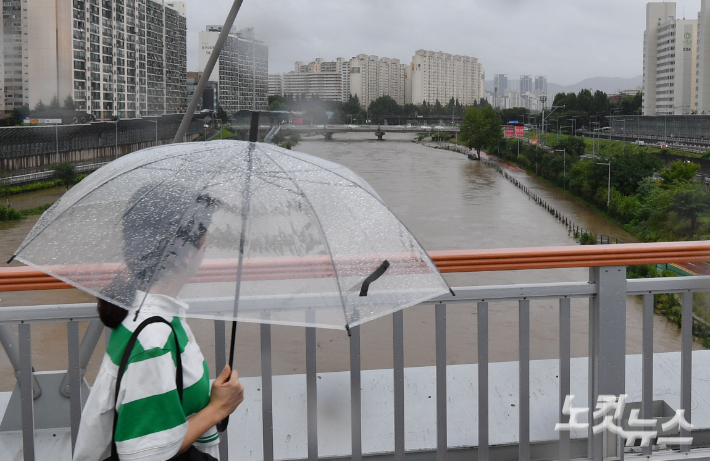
[{"x": 449, "y": 203}]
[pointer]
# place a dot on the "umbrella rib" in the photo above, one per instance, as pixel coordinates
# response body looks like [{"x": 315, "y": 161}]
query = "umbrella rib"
[
  {"x": 24, "y": 244},
  {"x": 320, "y": 227}
]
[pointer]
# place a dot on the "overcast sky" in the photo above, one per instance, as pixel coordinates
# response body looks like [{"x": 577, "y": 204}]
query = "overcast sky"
[{"x": 566, "y": 40}]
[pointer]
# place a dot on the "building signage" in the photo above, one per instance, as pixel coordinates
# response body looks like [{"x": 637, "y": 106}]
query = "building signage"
[
  {"x": 519, "y": 131},
  {"x": 46, "y": 121},
  {"x": 509, "y": 131}
]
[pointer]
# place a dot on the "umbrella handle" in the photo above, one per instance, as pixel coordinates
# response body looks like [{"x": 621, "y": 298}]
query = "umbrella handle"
[{"x": 222, "y": 425}]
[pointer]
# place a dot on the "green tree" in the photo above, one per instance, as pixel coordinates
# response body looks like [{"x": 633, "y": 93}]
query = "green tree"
[
  {"x": 383, "y": 106},
  {"x": 481, "y": 128},
  {"x": 65, "y": 172},
  {"x": 689, "y": 202},
  {"x": 678, "y": 171},
  {"x": 54, "y": 103},
  {"x": 40, "y": 107},
  {"x": 222, "y": 114},
  {"x": 69, "y": 103}
]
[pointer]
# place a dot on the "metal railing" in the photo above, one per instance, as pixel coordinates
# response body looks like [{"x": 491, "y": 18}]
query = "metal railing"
[{"x": 606, "y": 289}]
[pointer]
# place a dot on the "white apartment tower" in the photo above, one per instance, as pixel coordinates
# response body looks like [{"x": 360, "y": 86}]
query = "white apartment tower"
[
  {"x": 669, "y": 62},
  {"x": 116, "y": 58},
  {"x": 242, "y": 70},
  {"x": 327, "y": 80},
  {"x": 436, "y": 76},
  {"x": 372, "y": 77}
]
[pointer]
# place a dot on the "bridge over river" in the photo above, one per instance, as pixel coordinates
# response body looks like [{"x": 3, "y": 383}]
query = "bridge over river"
[{"x": 378, "y": 130}]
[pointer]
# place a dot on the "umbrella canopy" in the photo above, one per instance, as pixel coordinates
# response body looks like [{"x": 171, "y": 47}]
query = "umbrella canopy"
[{"x": 275, "y": 236}]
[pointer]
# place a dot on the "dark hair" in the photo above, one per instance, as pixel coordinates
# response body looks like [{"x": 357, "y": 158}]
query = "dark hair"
[
  {"x": 110, "y": 314},
  {"x": 145, "y": 253}
]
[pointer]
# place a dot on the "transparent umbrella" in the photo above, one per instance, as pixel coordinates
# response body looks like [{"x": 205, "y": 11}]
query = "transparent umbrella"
[{"x": 284, "y": 237}]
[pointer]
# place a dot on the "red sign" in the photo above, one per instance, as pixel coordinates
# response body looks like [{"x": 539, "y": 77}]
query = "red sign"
[
  {"x": 519, "y": 131},
  {"x": 298, "y": 121},
  {"x": 509, "y": 131}
]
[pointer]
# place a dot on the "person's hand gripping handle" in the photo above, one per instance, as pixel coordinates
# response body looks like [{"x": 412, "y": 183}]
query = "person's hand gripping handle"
[{"x": 227, "y": 394}]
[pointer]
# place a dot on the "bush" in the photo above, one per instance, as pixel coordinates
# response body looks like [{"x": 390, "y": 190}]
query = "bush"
[
  {"x": 587, "y": 238},
  {"x": 642, "y": 271},
  {"x": 65, "y": 172},
  {"x": 9, "y": 214}
]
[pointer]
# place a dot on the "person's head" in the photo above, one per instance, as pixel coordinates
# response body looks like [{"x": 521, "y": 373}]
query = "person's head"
[{"x": 164, "y": 228}]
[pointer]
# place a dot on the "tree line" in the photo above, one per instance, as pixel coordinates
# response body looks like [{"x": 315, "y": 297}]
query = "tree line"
[{"x": 316, "y": 110}]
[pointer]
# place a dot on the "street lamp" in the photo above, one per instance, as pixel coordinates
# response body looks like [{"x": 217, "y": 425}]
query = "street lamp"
[
  {"x": 564, "y": 167},
  {"x": 574, "y": 128},
  {"x": 608, "y": 193}
]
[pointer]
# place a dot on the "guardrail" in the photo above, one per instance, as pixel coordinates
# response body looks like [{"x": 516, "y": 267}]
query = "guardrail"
[
  {"x": 23, "y": 178},
  {"x": 606, "y": 289}
]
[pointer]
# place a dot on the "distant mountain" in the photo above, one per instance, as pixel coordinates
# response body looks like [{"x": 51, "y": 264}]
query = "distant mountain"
[{"x": 609, "y": 85}]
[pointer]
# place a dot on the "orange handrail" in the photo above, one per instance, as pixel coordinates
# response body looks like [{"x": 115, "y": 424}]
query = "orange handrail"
[{"x": 28, "y": 278}]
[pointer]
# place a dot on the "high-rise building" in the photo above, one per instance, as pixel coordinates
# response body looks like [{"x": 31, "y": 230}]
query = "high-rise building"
[
  {"x": 209, "y": 95},
  {"x": 500, "y": 83},
  {"x": 115, "y": 58},
  {"x": 276, "y": 85},
  {"x": 670, "y": 54},
  {"x": 435, "y": 76},
  {"x": 540, "y": 86},
  {"x": 526, "y": 84},
  {"x": 702, "y": 65},
  {"x": 328, "y": 80},
  {"x": 372, "y": 77},
  {"x": 242, "y": 70}
]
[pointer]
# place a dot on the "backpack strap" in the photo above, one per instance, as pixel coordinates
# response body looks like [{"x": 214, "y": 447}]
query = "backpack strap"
[{"x": 124, "y": 364}]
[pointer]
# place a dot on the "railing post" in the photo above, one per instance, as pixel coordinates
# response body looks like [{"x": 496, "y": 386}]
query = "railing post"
[
  {"x": 312, "y": 394},
  {"x": 398, "y": 355},
  {"x": 73, "y": 379},
  {"x": 27, "y": 404},
  {"x": 607, "y": 354},
  {"x": 483, "y": 381},
  {"x": 355, "y": 395},
  {"x": 441, "y": 426},
  {"x": 266, "y": 393}
]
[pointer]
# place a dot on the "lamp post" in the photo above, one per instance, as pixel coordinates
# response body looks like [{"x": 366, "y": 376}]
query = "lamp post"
[
  {"x": 564, "y": 168},
  {"x": 608, "y": 193},
  {"x": 574, "y": 128}
]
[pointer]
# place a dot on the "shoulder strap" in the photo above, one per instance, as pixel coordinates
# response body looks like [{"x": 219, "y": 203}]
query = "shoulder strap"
[{"x": 124, "y": 364}]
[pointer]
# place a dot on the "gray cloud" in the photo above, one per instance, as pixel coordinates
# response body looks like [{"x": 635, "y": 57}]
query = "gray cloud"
[{"x": 567, "y": 40}]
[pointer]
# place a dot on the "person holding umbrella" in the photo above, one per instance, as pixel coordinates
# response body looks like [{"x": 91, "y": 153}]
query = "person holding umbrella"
[{"x": 156, "y": 416}]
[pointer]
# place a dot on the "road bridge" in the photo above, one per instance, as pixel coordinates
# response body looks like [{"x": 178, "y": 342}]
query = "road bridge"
[{"x": 378, "y": 130}]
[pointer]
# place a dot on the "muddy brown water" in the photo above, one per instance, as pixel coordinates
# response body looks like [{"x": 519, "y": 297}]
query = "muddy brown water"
[{"x": 449, "y": 203}]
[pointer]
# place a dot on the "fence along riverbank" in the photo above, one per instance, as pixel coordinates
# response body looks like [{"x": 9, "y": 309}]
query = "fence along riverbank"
[{"x": 571, "y": 226}]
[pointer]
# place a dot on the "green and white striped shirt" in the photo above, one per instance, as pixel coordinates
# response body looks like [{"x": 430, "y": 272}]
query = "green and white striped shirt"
[{"x": 151, "y": 421}]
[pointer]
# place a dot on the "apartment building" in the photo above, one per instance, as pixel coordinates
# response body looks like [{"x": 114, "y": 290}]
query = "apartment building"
[
  {"x": 670, "y": 70},
  {"x": 540, "y": 86},
  {"x": 372, "y": 77},
  {"x": 702, "y": 62},
  {"x": 327, "y": 80},
  {"x": 115, "y": 58},
  {"x": 526, "y": 84},
  {"x": 436, "y": 76},
  {"x": 242, "y": 70}
]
